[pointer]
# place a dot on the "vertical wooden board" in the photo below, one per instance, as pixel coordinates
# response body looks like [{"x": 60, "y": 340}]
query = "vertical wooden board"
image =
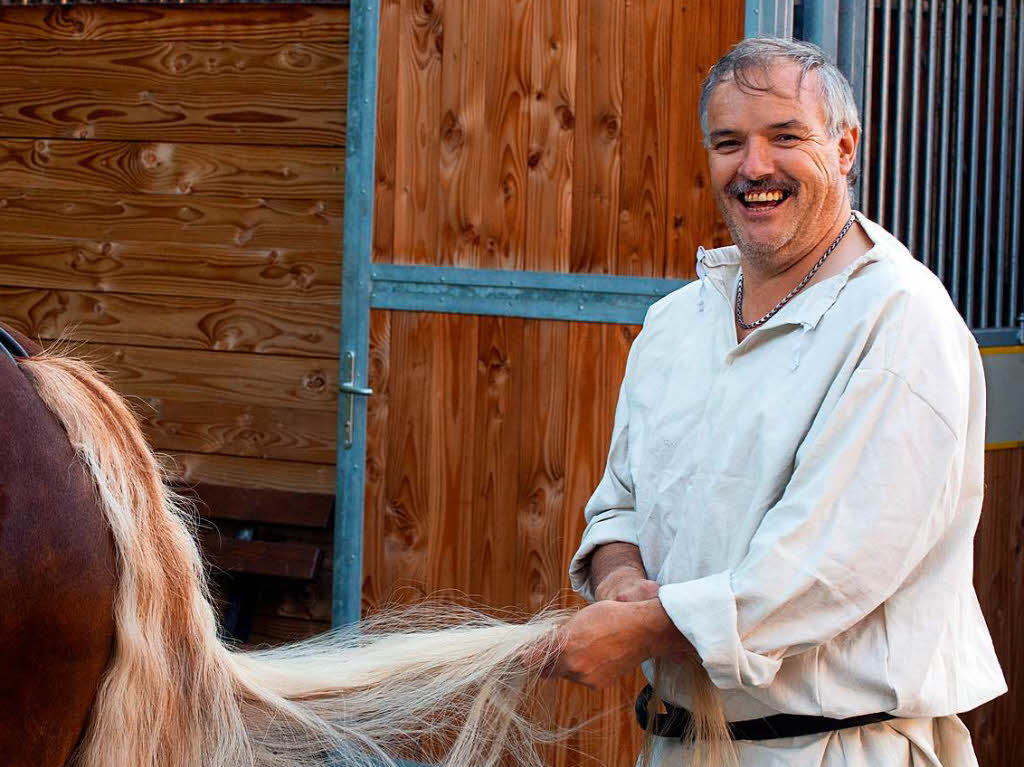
[
  {"x": 998, "y": 579},
  {"x": 493, "y": 529},
  {"x": 701, "y": 33},
  {"x": 451, "y": 413},
  {"x": 375, "y": 587},
  {"x": 410, "y": 458},
  {"x": 417, "y": 121},
  {"x": 596, "y": 363},
  {"x": 387, "y": 133},
  {"x": 645, "y": 113},
  {"x": 586, "y": 448},
  {"x": 542, "y": 460},
  {"x": 598, "y": 141},
  {"x": 463, "y": 133},
  {"x": 552, "y": 128},
  {"x": 507, "y": 132}
]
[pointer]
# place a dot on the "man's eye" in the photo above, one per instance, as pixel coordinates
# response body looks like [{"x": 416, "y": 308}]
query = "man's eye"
[
  {"x": 728, "y": 144},
  {"x": 787, "y": 137}
]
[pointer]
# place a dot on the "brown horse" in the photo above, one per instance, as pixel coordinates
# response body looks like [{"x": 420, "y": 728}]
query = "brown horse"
[{"x": 57, "y": 581}]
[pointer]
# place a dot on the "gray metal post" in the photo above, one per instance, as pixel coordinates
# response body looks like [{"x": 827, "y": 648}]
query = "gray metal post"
[
  {"x": 355, "y": 310},
  {"x": 768, "y": 18}
]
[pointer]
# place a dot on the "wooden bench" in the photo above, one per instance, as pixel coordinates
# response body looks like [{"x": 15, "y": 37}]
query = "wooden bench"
[{"x": 244, "y": 536}]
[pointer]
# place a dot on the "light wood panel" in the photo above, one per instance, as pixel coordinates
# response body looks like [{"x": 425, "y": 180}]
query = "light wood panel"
[
  {"x": 163, "y": 22},
  {"x": 179, "y": 221},
  {"x": 169, "y": 168},
  {"x": 284, "y": 274},
  {"x": 294, "y": 476},
  {"x": 215, "y": 378},
  {"x": 213, "y": 324},
  {"x": 178, "y": 67},
  {"x": 86, "y": 113}
]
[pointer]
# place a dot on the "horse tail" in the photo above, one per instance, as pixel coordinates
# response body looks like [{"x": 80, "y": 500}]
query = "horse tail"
[
  {"x": 174, "y": 695},
  {"x": 708, "y": 730}
]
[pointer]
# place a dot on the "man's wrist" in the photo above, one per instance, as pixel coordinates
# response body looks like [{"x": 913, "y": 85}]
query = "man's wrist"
[{"x": 657, "y": 634}]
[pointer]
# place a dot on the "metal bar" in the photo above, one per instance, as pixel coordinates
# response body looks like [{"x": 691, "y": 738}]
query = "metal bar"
[
  {"x": 986, "y": 204},
  {"x": 355, "y": 305},
  {"x": 869, "y": 67},
  {"x": 821, "y": 25},
  {"x": 943, "y": 190},
  {"x": 913, "y": 221},
  {"x": 768, "y": 18},
  {"x": 883, "y": 110},
  {"x": 899, "y": 118},
  {"x": 971, "y": 244},
  {"x": 1018, "y": 169},
  {"x": 535, "y": 295},
  {"x": 850, "y": 58},
  {"x": 958, "y": 175},
  {"x": 1004, "y": 153},
  {"x": 928, "y": 190}
]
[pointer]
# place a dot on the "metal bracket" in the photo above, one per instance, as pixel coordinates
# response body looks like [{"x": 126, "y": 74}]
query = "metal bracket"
[{"x": 350, "y": 391}]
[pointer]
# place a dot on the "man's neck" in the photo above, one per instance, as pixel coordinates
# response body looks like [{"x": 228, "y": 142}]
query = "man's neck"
[{"x": 762, "y": 290}]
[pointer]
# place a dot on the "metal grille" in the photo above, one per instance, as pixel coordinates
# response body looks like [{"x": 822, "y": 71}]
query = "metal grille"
[{"x": 942, "y": 152}]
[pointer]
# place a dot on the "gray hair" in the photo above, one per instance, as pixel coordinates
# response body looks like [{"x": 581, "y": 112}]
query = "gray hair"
[{"x": 757, "y": 54}]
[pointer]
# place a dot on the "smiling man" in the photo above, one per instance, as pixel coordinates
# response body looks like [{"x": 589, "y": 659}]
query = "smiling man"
[{"x": 795, "y": 472}]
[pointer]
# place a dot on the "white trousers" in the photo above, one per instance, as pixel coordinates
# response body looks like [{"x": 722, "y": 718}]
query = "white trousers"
[{"x": 940, "y": 742}]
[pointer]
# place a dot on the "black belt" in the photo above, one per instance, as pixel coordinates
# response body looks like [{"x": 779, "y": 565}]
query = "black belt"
[{"x": 675, "y": 723}]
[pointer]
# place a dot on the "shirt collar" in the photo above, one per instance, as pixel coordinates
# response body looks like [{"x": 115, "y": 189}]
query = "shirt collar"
[{"x": 720, "y": 267}]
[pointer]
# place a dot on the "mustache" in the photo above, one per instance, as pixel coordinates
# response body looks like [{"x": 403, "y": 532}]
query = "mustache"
[{"x": 743, "y": 185}]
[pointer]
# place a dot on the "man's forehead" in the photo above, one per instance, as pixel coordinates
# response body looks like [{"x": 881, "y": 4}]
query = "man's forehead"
[{"x": 779, "y": 93}]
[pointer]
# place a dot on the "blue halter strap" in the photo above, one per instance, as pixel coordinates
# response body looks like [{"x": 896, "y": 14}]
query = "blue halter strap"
[{"x": 11, "y": 347}]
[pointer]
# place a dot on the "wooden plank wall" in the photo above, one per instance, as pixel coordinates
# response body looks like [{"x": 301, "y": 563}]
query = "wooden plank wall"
[
  {"x": 171, "y": 186},
  {"x": 556, "y": 135},
  {"x": 999, "y": 580}
]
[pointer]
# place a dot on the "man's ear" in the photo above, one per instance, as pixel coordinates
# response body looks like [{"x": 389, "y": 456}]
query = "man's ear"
[{"x": 848, "y": 141}]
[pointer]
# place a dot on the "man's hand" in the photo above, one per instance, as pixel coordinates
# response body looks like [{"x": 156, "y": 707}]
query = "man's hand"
[
  {"x": 626, "y": 586},
  {"x": 609, "y": 639}
]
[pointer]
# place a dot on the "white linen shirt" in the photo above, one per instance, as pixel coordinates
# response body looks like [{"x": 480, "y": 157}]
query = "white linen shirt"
[{"x": 807, "y": 498}]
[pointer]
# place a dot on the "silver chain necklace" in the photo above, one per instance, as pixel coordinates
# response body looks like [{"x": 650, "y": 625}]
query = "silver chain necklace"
[{"x": 794, "y": 291}]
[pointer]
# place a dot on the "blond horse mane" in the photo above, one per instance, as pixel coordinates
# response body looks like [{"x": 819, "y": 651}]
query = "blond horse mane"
[{"x": 175, "y": 696}]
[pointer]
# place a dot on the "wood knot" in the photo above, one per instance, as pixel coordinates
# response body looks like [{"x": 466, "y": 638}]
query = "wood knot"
[
  {"x": 610, "y": 123},
  {"x": 315, "y": 381},
  {"x": 452, "y": 133},
  {"x": 533, "y": 159},
  {"x": 566, "y": 119}
]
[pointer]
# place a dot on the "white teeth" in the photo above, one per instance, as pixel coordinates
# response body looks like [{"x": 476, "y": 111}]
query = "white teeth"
[{"x": 773, "y": 196}]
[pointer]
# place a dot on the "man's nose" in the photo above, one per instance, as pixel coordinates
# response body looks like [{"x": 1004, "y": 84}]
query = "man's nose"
[{"x": 757, "y": 161}]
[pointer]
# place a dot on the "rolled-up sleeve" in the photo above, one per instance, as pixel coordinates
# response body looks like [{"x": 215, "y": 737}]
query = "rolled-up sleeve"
[
  {"x": 869, "y": 496},
  {"x": 611, "y": 511}
]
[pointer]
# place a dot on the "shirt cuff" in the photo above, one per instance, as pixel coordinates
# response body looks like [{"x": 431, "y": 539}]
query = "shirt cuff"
[
  {"x": 613, "y": 526},
  {"x": 704, "y": 611}
]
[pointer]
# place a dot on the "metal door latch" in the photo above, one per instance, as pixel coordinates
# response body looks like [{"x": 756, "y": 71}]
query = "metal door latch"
[{"x": 349, "y": 391}]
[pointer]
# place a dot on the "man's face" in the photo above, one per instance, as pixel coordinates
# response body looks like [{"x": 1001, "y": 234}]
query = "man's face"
[{"x": 778, "y": 176}]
